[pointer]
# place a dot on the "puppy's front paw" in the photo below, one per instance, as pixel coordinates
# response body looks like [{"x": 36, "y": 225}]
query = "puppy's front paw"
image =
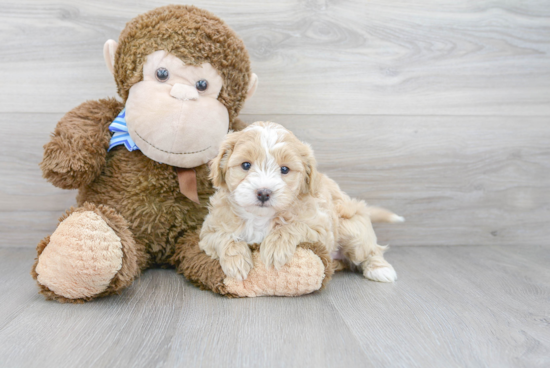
[
  {"x": 236, "y": 261},
  {"x": 276, "y": 250}
]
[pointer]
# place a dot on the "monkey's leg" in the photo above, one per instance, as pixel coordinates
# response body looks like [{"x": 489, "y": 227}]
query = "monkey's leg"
[
  {"x": 91, "y": 254},
  {"x": 309, "y": 270}
]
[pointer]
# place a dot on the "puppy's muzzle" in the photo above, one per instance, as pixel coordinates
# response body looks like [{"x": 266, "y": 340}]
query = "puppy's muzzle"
[{"x": 263, "y": 195}]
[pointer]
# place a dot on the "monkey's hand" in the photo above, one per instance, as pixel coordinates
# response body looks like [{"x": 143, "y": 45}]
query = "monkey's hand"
[{"x": 76, "y": 153}]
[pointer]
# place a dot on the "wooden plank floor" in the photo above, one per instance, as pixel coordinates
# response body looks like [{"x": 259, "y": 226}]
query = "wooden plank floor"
[{"x": 472, "y": 306}]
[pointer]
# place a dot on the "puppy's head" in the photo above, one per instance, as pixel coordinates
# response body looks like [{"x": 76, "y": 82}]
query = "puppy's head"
[{"x": 265, "y": 168}]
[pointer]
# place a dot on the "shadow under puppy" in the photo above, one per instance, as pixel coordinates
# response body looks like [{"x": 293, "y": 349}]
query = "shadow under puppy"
[{"x": 270, "y": 193}]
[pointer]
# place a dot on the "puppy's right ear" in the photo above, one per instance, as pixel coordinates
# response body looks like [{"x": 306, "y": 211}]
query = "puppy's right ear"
[
  {"x": 311, "y": 182},
  {"x": 218, "y": 166}
]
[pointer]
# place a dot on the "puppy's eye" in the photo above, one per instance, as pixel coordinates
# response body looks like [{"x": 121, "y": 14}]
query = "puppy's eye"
[
  {"x": 246, "y": 165},
  {"x": 162, "y": 74},
  {"x": 284, "y": 170},
  {"x": 201, "y": 85}
]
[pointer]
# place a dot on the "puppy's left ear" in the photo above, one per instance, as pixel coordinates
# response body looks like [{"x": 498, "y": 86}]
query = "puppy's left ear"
[
  {"x": 218, "y": 166},
  {"x": 311, "y": 182}
]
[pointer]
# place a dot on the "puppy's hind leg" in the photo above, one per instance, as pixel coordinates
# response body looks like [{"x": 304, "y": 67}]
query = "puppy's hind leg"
[
  {"x": 359, "y": 244},
  {"x": 376, "y": 268}
]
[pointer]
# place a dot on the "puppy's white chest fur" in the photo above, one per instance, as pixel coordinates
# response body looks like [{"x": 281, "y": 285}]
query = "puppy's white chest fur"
[{"x": 255, "y": 228}]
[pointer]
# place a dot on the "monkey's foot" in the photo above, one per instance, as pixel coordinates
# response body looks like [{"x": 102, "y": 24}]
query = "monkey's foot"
[
  {"x": 304, "y": 274},
  {"x": 84, "y": 257}
]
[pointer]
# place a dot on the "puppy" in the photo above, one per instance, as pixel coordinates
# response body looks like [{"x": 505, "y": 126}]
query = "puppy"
[{"x": 270, "y": 193}]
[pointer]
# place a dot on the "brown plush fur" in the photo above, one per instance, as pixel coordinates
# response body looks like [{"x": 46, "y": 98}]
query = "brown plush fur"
[
  {"x": 138, "y": 197},
  {"x": 205, "y": 272},
  {"x": 163, "y": 224},
  {"x": 206, "y": 39},
  {"x": 77, "y": 150},
  {"x": 145, "y": 193}
]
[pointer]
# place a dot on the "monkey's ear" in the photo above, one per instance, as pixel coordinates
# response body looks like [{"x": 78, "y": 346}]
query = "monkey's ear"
[
  {"x": 252, "y": 85},
  {"x": 218, "y": 166},
  {"x": 109, "y": 51}
]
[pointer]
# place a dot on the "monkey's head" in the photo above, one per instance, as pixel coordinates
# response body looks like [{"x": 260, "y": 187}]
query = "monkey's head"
[{"x": 184, "y": 76}]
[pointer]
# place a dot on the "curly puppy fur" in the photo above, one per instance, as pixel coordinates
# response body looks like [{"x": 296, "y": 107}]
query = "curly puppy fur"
[
  {"x": 138, "y": 197},
  {"x": 270, "y": 192}
]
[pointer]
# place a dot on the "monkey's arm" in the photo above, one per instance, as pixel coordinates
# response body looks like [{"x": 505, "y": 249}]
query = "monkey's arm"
[
  {"x": 309, "y": 270},
  {"x": 76, "y": 152}
]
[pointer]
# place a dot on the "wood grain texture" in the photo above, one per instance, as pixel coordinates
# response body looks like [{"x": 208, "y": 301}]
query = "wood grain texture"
[
  {"x": 15, "y": 272},
  {"x": 453, "y": 307},
  {"x": 457, "y": 180},
  {"x": 482, "y": 57},
  {"x": 437, "y": 110},
  {"x": 467, "y": 306}
]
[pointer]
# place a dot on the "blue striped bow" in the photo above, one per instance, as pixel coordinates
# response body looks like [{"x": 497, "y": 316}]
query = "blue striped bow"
[{"x": 121, "y": 135}]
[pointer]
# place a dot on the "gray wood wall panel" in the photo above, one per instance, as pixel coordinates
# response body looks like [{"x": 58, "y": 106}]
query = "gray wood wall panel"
[
  {"x": 457, "y": 179},
  {"x": 439, "y": 111},
  {"x": 481, "y": 57}
]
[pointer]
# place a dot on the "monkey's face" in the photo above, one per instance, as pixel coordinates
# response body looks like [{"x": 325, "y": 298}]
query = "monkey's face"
[{"x": 173, "y": 114}]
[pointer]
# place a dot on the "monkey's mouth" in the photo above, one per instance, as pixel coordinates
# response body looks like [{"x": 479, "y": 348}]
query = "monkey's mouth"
[{"x": 172, "y": 153}]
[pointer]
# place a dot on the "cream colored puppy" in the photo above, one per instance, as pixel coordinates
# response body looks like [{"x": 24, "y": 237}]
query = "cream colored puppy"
[{"x": 270, "y": 193}]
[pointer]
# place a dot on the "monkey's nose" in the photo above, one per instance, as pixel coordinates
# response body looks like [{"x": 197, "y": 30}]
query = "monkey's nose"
[
  {"x": 263, "y": 195},
  {"x": 184, "y": 92}
]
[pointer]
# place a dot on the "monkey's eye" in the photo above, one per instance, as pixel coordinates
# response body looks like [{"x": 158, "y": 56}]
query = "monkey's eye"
[
  {"x": 246, "y": 166},
  {"x": 162, "y": 74},
  {"x": 202, "y": 85},
  {"x": 284, "y": 170}
]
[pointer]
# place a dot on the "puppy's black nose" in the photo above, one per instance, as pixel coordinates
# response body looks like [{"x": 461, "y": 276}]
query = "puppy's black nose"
[{"x": 263, "y": 195}]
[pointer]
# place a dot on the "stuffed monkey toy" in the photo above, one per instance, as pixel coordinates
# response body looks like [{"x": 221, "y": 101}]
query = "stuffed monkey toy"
[{"x": 141, "y": 166}]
